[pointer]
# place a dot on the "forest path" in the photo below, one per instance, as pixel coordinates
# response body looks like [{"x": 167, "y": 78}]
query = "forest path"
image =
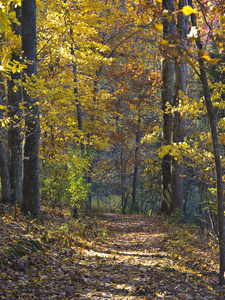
[
  {"x": 138, "y": 259},
  {"x": 114, "y": 257}
]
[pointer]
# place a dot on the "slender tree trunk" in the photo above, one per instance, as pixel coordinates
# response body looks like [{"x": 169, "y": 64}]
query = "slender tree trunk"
[
  {"x": 14, "y": 99},
  {"x": 179, "y": 86},
  {"x": 75, "y": 90},
  {"x": 136, "y": 167},
  {"x": 31, "y": 197},
  {"x": 167, "y": 98},
  {"x": 89, "y": 182},
  {"x": 80, "y": 122},
  {"x": 219, "y": 173},
  {"x": 80, "y": 127},
  {"x": 122, "y": 179},
  {"x": 135, "y": 179},
  {"x": 5, "y": 178},
  {"x": 186, "y": 200},
  {"x": 216, "y": 151},
  {"x": 78, "y": 105},
  {"x": 201, "y": 208},
  {"x": 90, "y": 149}
]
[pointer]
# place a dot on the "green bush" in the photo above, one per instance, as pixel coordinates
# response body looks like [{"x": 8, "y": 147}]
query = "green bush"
[{"x": 63, "y": 180}]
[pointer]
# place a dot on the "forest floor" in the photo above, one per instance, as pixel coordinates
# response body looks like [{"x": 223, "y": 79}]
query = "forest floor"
[{"x": 112, "y": 257}]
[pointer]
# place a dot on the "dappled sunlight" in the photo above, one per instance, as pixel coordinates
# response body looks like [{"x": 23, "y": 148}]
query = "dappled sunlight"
[
  {"x": 144, "y": 259},
  {"x": 134, "y": 262}
]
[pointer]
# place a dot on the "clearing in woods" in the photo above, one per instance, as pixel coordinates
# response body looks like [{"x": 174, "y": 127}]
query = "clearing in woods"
[{"x": 118, "y": 257}]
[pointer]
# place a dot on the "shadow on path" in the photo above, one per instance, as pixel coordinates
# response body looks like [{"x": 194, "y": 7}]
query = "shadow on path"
[{"x": 133, "y": 263}]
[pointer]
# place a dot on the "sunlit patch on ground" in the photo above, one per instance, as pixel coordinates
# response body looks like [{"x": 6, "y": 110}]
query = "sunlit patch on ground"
[{"x": 138, "y": 258}]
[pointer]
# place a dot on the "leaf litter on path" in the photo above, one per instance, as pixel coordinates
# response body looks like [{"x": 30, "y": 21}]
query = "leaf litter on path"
[{"x": 139, "y": 258}]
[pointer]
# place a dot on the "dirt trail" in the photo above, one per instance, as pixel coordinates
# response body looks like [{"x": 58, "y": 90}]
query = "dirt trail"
[
  {"x": 133, "y": 262},
  {"x": 138, "y": 258}
]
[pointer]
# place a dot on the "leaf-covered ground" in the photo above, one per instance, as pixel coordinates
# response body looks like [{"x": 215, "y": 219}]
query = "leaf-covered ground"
[{"x": 115, "y": 257}]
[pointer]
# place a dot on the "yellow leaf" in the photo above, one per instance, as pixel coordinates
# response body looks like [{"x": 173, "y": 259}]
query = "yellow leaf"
[
  {"x": 15, "y": 88},
  {"x": 206, "y": 57},
  {"x": 164, "y": 42},
  {"x": 188, "y": 10},
  {"x": 158, "y": 26}
]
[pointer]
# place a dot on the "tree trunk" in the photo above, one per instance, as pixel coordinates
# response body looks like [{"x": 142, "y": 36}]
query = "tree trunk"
[
  {"x": 216, "y": 151},
  {"x": 78, "y": 105},
  {"x": 180, "y": 85},
  {"x": 201, "y": 207},
  {"x": 5, "y": 178},
  {"x": 80, "y": 127},
  {"x": 14, "y": 99},
  {"x": 89, "y": 147},
  {"x": 167, "y": 98},
  {"x": 219, "y": 173},
  {"x": 122, "y": 179},
  {"x": 31, "y": 197},
  {"x": 89, "y": 182},
  {"x": 136, "y": 166},
  {"x": 75, "y": 90}
]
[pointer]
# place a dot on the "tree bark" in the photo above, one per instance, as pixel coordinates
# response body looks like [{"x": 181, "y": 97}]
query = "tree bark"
[
  {"x": 136, "y": 167},
  {"x": 219, "y": 173},
  {"x": 5, "y": 178},
  {"x": 216, "y": 150},
  {"x": 78, "y": 105},
  {"x": 122, "y": 178},
  {"x": 31, "y": 197},
  {"x": 178, "y": 134},
  {"x": 14, "y": 140},
  {"x": 167, "y": 98},
  {"x": 75, "y": 90}
]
